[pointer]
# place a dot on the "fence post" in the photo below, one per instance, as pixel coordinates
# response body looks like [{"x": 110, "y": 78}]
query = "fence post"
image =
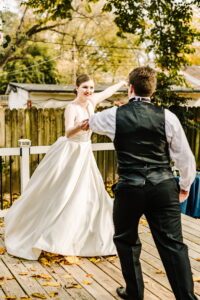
[{"x": 24, "y": 145}]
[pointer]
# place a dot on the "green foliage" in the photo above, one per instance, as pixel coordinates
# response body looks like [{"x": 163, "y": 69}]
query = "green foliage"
[
  {"x": 167, "y": 97},
  {"x": 164, "y": 94},
  {"x": 53, "y": 9},
  {"x": 164, "y": 25},
  {"x": 29, "y": 67}
]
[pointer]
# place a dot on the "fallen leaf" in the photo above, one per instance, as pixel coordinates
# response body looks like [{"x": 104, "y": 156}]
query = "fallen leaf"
[
  {"x": 94, "y": 260},
  {"x": 44, "y": 261},
  {"x": 2, "y": 251},
  {"x": 10, "y": 297},
  {"x": 196, "y": 279},
  {"x": 111, "y": 258},
  {"x": 160, "y": 272},
  {"x": 74, "y": 285},
  {"x": 41, "y": 296},
  {"x": 143, "y": 222},
  {"x": 53, "y": 294},
  {"x": 51, "y": 283},
  {"x": 67, "y": 276},
  {"x": 1, "y": 224},
  {"x": 89, "y": 275},
  {"x": 86, "y": 282},
  {"x": 10, "y": 278},
  {"x": 42, "y": 275},
  {"x": 71, "y": 260},
  {"x": 1, "y": 277},
  {"x": 23, "y": 273},
  {"x": 198, "y": 259}
]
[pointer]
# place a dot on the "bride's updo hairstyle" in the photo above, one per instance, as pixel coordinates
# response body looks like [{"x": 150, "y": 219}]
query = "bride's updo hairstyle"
[{"x": 81, "y": 79}]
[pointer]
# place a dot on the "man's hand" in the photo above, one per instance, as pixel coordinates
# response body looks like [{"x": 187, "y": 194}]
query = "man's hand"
[{"x": 183, "y": 195}]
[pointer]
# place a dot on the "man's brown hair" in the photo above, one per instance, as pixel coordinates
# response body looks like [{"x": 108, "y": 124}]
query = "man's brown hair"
[{"x": 144, "y": 81}]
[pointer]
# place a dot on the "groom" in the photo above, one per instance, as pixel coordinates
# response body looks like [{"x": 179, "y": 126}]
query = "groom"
[{"x": 146, "y": 138}]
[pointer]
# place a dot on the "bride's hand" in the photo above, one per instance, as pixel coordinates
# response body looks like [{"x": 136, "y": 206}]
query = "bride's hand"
[{"x": 84, "y": 125}]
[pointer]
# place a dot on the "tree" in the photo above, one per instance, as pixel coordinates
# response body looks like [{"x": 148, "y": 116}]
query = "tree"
[
  {"x": 90, "y": 45},
  {"x": 35, "y": 18},
  {"x": 35, "y": 64},
  {"x": 165, "y": 25}
]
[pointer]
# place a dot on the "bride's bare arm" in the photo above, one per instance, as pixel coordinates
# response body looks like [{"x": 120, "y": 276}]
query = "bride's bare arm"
[
  {"x": 98, "y": 97},
  {"x": 70, "y": 127}
]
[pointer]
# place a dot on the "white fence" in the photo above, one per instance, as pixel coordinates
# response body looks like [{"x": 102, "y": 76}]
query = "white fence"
[{"x": 25, "y": 150}]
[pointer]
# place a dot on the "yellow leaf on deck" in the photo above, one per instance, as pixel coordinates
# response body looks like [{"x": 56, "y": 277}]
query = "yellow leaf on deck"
[
  {"x": 74, "y": 285},
  {"x": 42, "y": 275},
  {"x": 86, "y": 282},
  {"x": 160, "y": 272},
  {"x": 67, "y": 276},
  {"x": 143, "y": 222},
  {"x": 1, "y": 277},
  {"x": 94, "y": 260},
  {"x": 44, "y": 261},
  {"x": 51, "y": 283},
  {"x": 10, "y": 297},
  {"x": 111, "y": 258},
  {"x": 198, "y": 259},
  {"x": 2, "y": 251},
  {"x": 53, "y": 294},
  {"x": 89, "y": 275},
  {"x": 41, "y": 296},
  {"x": 72, "y": 260},
  {"x": 23, "y": 273},
  {"x": 1, "y": 224},
  {"x": 196, "y": 279},
  {"x": 10, "y": 278}
]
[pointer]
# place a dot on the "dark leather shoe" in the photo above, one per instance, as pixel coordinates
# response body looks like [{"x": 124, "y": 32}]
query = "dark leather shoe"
[{"x": 121, "y": 292}]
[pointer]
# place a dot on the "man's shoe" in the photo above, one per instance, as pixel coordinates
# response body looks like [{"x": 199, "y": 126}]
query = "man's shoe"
[{"x": 121, "y": 292}]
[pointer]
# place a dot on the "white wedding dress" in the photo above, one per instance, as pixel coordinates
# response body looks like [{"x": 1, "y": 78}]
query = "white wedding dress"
[{"x": 65, "y": 208}]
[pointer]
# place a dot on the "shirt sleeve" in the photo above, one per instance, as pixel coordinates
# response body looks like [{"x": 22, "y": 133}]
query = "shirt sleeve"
[
  {"x": 104, "y": 122},
  {"x": 179, "y": 150}
]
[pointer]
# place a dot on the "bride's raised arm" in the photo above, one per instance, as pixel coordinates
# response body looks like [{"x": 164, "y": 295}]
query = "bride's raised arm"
[{"x": 99, "y": 97}]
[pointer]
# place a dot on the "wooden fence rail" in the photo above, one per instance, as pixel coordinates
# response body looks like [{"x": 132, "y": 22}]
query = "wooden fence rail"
[{"x": 44, "y": 126}]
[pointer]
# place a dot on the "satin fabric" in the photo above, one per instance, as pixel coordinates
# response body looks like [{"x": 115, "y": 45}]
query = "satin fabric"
[{"x": 65, "y": 208}]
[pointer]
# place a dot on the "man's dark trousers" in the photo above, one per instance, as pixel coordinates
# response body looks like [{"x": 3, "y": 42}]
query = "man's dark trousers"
[{"x": 160, "y": 204}]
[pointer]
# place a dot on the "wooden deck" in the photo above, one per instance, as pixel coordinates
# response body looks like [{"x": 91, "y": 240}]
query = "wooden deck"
[{"x": 57, "y": 277}]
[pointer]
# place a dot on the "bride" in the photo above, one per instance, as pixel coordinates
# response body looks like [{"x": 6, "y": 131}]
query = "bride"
[{"x": 65, "y": 208}]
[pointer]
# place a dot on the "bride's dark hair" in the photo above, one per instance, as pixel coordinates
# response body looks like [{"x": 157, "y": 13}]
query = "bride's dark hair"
[{"x": 80, "y": 79}]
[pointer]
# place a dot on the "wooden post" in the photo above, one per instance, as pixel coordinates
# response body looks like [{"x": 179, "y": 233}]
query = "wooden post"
[{"x": 24, "y": 145}]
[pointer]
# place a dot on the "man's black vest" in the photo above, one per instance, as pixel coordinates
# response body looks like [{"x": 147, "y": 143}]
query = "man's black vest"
[{"x": 141, "y": 144}]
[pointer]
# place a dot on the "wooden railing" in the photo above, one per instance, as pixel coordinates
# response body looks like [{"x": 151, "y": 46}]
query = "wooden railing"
[{"x": 24, "y": 152}]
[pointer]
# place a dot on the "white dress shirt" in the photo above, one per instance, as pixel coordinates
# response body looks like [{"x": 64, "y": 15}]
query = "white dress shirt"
[{"x": 180, "y": 153}]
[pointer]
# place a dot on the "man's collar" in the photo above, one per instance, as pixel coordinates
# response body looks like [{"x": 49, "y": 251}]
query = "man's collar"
[{"x": 140, "y": 99}]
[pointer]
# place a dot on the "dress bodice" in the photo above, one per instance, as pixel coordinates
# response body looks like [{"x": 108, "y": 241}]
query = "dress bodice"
[{"x": 82, "y": 113}]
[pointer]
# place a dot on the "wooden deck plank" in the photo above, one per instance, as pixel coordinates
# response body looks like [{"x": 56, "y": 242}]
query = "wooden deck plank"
[
  {"x": 106, "y": 275},
  {"x": 68, "y": 283},
  {"x": 10, "y": 286},
  {"x": 95, "y": 289},
  {"x": 2, "y": 295},
  {"x": 153, "y": 285},
  {"x": 36, "y": 269},
  {"x": 115, "y": 273}
]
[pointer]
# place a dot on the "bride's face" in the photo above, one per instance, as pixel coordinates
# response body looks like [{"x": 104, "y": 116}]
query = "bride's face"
[{"x": 85, "y": 90}]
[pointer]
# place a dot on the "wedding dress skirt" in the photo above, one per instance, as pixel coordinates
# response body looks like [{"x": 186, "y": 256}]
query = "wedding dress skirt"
[{"x": 64, "y": 209}]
